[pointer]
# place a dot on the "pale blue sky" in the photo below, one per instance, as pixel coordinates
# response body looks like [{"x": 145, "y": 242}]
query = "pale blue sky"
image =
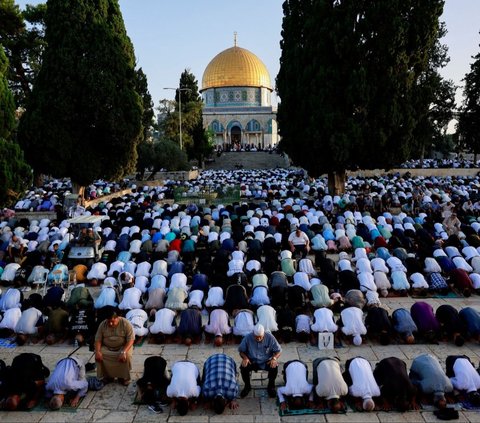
[{"x": 171, "y": 35}]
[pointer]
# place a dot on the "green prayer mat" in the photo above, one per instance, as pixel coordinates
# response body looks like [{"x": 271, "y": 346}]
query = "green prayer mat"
[
  {"x": 66, "y": 407},
  {"x": 305, "y": 411}
]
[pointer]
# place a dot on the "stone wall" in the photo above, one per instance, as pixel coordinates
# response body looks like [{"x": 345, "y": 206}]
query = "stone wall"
[{"x": 417, "y": 172}]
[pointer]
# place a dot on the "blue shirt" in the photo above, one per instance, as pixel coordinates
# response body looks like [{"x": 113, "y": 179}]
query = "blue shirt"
[
  {"x": 220, "y": 377},
  {"x": 259, "y": 352}
]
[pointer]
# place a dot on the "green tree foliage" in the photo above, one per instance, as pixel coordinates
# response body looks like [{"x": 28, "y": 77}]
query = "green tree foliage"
[
  {"x": 347, "y": 80},
  {"x": 15, "y": 174},
  {"x": 145, "y": 146},
  {"x": 435, "y": 98},
  {"x": 196, "y": 139},
  {"x": 141, "y": 86},
  {"x": 469, "y": 119},
  {"x": 7, "y": 104},
  {"x": 167, "y": 155},
  {"x": 84, "y": 116},
  {"x": 22, "y": 36}
]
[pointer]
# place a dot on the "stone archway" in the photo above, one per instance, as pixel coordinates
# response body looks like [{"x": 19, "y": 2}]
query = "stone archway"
[{"x": 235, "y": 137}]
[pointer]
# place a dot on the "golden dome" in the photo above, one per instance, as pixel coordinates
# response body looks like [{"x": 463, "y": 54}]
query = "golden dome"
[{"x": 235, "y": 67}]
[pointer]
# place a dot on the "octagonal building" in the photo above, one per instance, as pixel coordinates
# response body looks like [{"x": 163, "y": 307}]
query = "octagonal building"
[{"x": 236, "y": 91}]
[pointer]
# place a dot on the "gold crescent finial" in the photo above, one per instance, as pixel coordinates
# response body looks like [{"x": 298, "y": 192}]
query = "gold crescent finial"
[{"x": 235, "y": 39}]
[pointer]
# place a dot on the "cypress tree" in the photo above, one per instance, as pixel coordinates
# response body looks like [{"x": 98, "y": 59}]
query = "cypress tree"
[
  {"x": 347, "y": 81},
  {"x": 15, "y": 174},
  {"x": 469, "y": 120},
  {"x": 83, "y": 117}
]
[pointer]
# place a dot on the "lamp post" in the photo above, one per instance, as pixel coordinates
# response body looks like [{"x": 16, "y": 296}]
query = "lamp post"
[{"x": 179, "y": 109}]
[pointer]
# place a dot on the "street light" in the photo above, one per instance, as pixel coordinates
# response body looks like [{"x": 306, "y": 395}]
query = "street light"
[{"x": 179, "y": 109}]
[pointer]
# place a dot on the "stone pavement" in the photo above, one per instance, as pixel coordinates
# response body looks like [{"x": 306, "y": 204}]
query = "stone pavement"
[{"x": 115, "y": 403}]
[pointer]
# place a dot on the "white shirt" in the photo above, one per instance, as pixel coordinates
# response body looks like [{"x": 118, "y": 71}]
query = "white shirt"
[
  {"x": 363, "y": 266},
  {"x": 352, "y": 318},
  {"x": 234, "y": 266},
  {"x": 28, "y": 321},
  {"x": 178, "y": 280},
  {"x": 116, "y": 266},
  {"x": 143, "y": 269},
  {"x": 323, "y": 318},
  {"x": 363, "y": 383},
  {"x": 184, "y": 380},
  {"x": 98, "y": 271},
  {"x": 131, "y": 299},
  {"x": 367, "y": 282},
  {"x": 107, "y": 297},
  {"x": 297, "y": 384},
  {"x": 260, "y": 296},
  {"x": 305, "y": 265},
  {"x": 160, "y": 268},
  {"x": 195, "y": 298},
  {"x": 163, "y": 322},
  {"x": 158, "y": 281},
  {"x": 243, "y": 323},
  {"x": 141, "y": 283},
  {"x": 11, "y": 318},
  {"x": 460, "y": 263},
  {"x": 11, "y": 299},
  {"x": 253, "y": 265},
  {"x": 138, "y": 318},
  {"x": 302, "y": 279},
  {"x": 302, "y": 323},
  {"x": 330, "y": 380},
  {"x": 418, "y": 281},
  {"x": 466, "y": 377},
  {"x": 267, "y": 316},
  {"x": 219, "y": 323},
  {"x": 135, "y": 246},
  {"x": 215, "y": 297}
]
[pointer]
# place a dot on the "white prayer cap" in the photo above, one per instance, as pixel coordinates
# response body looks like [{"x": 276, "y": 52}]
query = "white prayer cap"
[
  {"x": 357, "y": 340},
  {"x": 258, "y": 330}
]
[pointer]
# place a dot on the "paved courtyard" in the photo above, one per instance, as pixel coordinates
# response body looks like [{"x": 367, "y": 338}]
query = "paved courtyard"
[{"x": 115, "y": 403}]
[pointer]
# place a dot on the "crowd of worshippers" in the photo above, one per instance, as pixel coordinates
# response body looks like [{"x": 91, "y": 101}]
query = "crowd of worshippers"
[
  {"x": 175, "y": 314},
  {"x": 242, "y": 262},
  {"x": 387, "y": 386},
  {"x": 456, "y": 163}
]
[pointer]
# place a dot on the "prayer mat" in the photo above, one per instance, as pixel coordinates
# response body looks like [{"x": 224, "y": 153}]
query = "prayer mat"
[
  {"x": 139, "y": 344},
  {"x": 137, "y": 400},
  {"x": 450, "y": 294},
  {"x": 467, "y": 405},
  {"x": 66, "y": 407},
  {"x": 306, "y": 411},
  {"x": 8, "y": 342}
]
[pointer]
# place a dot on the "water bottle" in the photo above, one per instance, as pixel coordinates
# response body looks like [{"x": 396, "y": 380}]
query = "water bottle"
[{"x": 75, "y": 343}]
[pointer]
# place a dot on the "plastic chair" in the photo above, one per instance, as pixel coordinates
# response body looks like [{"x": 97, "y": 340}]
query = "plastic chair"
[
  {"x": 70, "y": 284},
  {"x": 41, "y": 278}
]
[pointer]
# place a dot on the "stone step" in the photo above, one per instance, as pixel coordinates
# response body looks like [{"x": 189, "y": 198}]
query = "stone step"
[{"x": 247, "y": 160}]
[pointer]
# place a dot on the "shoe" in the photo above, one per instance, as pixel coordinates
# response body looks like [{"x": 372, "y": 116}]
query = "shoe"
[
  {"x": 245, "y": 391},
  {"x": 156, "y": 408},
  {"x": 272, "y": 393}
]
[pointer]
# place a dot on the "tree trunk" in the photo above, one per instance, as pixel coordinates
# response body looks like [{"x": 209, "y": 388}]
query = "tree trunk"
[
  {"x": 422, "y": 154},
  {"x": 475, "y": 157},
  {"x": 336, "y": 182},
  {"x": 37, "y": 179},
  {"x": 80, "y": 190}
]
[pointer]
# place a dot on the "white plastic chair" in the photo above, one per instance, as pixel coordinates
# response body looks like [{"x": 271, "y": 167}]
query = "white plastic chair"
[{"x": 41, "y": 278}]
